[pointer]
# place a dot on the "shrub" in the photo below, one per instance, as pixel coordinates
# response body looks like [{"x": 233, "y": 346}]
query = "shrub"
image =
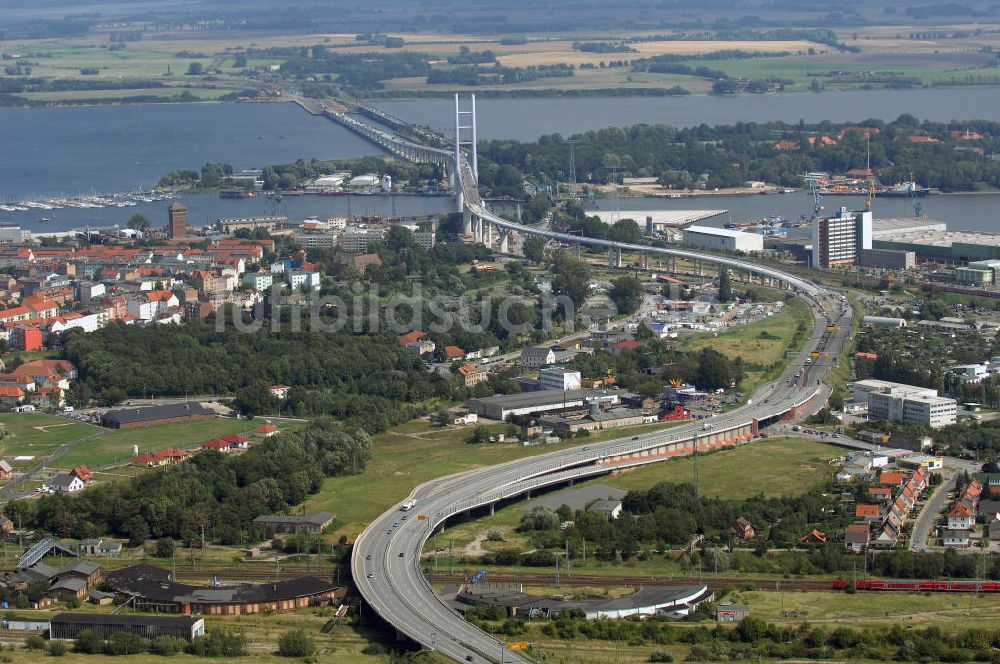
[
  {"x": 88, "y": 642},
  {"x": 660, "y": 656},
  {"x": 167, "y": 646},
  {"x": 125, "y": 643},
  {"x": 73, "y": 603},
  {"x": 165, "y": 548},
  {"x": 34, "y": 642},
  {"x": 295, "y": 644},
  {"x": 57, "y": 648},
  {"x": 219, "y": 643},
  {"x": 374, "y": 649}
]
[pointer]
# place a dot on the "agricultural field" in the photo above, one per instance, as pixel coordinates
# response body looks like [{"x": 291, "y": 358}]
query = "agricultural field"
[{"x": 949, "y": 58}]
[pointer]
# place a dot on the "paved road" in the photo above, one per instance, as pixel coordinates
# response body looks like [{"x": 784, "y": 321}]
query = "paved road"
[
  {"x": 928, "y": 515},
  {"x": 386, "y": 558}
]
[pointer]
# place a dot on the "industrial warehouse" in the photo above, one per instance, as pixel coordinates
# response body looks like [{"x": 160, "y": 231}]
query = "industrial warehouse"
[
  {"x": 69, "y": 626},
  {"x": 153, "y": 588}
]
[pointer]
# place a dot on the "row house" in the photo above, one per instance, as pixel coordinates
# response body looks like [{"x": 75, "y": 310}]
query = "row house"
[
  {"x": 962, "y": 512},
  {"x": 888, "y": 533}
]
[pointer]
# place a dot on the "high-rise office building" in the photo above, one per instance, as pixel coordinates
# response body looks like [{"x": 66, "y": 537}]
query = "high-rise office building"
[{"x": 839, "y": 240}]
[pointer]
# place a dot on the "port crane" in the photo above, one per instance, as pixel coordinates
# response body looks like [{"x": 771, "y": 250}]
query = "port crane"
[{"x": 817, "y": 208}]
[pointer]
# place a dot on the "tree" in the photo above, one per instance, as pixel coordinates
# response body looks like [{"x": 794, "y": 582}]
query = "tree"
[
  {"x": 539, "y": 518},
  {"x": 626, "y": 230},
  {"x": 534, "y": 248},
  {"x": 399, "y": 239},
  {"x": 714, "y": 370},
  {"x": 256, "y": 399},
  {"x": 165, "y": 547},
  {"x": 480, "y": 434},
  {"x": 536, "y": 209},
  {"x": 240, "y": 61},
  {"x": 139, "y": 222},
  {"x": 626, "y": 293},
  {"x": 572, "y": 278},
  {"x": 725, "y": 286},
  {"x": 295, "y": 644},
  {"x": 194, "y": 69}
]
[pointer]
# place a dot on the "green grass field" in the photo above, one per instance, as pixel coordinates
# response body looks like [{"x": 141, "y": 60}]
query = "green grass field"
[
  {"x": 344, "y": 643},
  {"x": 38, "y": 435},
  {"x": 747, "y": 342},
  {"x": 117, "y": 445},
  {"x": 957, "y": 611},
  {"x": 773, "y": 467},
  {"x": 416, "y": 452},
  {"x": 404, "y": 457}
]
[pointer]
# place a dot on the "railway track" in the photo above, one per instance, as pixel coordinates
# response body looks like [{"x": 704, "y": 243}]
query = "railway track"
[
  {"x": 226, "y": 574},
  {"x": 635, "y": 581}
]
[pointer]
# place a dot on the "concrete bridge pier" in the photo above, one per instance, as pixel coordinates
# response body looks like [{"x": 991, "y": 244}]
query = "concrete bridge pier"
[
  {"x": 504, "y": 241},
  {"x": 492, "y": 509},
  {"x": 466, "y": 222},
  {"x": 459, "y": 200},
  {"x": 614, "y": 257},
  {"x": 488, "y": 241},
  {"x": 575, "y": 248}
]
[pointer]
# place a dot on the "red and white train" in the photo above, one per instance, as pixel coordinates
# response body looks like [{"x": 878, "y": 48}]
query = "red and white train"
[{"x": 920, "y": 585}]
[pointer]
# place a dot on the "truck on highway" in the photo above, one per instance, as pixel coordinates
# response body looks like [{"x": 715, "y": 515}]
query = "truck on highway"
[{"x": 408, "y": 505}]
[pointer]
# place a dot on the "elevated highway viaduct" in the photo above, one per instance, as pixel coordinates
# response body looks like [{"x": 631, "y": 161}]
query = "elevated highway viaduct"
[{"x": 386, "y": 557}]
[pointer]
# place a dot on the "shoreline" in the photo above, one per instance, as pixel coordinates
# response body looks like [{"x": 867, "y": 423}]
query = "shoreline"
[{"x": 555, "y": 93}]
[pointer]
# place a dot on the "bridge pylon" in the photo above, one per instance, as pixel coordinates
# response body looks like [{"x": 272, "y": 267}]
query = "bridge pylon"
[{"x": 470, "y": 135}]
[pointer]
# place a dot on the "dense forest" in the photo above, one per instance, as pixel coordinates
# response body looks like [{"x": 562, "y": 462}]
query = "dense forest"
[
  {"x": 732, "y": 154},
  {"x": 368, "y": 380},
  {"x": 221, "y": 493}
]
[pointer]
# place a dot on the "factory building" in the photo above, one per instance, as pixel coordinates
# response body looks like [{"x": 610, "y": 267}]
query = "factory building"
[
  {"x": 979, "y": 273},
  {"x": 69, "y": 625},
  {"x": 908, "y": 404},
  {"x": 499, "y": 407},
  {"x": 888, "y": 258},
  {"x": 721, "y": 239},
  {"x": 840, "y": 240}
]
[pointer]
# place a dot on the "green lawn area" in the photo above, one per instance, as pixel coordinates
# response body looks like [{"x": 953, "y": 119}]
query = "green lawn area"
[
  {"x": 117, "y": 445},
  {"x": 772, "y": 467},
  {"x": 956, "y": 611},
  {"x": 404, "y": 457},
  {"x": 764, "y": 342},
  {"x": 344, "y": 643},
  {"x": 36, "y": 434},
  {"x": 415, "y": 452}
]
